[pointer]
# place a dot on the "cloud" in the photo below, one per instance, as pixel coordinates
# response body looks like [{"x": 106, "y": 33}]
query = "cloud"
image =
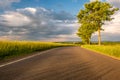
[
  {"x": 47, "y": 25},
  {"x": 37, "y": 24},
  {"x": 29, "y": 10},
  {"x": 111, "y": 29},
  {"x": 14, "y": 19},
  {"x": 92, "y": 0},
  {"x": 5, "y": 4},
  {"x": 115, "y": 3},
  {"x": 95, "y": 0}
]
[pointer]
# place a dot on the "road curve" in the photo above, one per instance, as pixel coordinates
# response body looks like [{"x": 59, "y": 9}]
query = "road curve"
[{"x": 66, "y": 63}]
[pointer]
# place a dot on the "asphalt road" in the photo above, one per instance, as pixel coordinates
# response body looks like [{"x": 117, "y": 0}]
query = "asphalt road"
[{"x": 66, "y": 63}]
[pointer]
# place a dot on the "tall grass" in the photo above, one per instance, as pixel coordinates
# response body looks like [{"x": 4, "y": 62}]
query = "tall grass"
[
  {"x": 112, "y": 50},
  {"x": 14, "y": 48}
]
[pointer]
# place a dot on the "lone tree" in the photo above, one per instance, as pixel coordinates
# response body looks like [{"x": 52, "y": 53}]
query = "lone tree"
[{"x": 97, "y": 13}]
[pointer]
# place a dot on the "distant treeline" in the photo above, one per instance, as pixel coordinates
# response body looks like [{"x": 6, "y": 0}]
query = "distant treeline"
[{"x": 93, "y": 43}]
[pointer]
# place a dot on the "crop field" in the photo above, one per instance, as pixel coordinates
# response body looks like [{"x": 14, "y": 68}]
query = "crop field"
[
  {"x": 110, "y": 49},
  {"x": 14, "y": 48}
]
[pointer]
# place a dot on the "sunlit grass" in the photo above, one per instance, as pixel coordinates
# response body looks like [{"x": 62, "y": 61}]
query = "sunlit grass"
[
  {"x": 112, "y": 50},
  {"x": 14, "y": 48}
]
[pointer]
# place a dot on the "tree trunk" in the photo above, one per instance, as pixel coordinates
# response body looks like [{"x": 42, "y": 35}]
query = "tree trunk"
[
  {"x": 99, "y": 37},
  {"x": 89, "y": 41}
]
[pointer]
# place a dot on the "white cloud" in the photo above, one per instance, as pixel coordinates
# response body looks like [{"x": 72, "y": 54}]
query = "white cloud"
[
  {"x": 96, "y": 0},
  {"x": 116, "y": 3},
  {"x": 29, "y": 9},
  {"x": 43, "y": 24},
  {"x": 92, "y": 0},
  {"x": 114, "y": 25},
  {"x": 111, "y": 29},
  {"x": 37, "y": 24},
  {"x": 7, "y": 3},
  {"x": 14, "y": 19},
  {"x": 11, "y": 37}
]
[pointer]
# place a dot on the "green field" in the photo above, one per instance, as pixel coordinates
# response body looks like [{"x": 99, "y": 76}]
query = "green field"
[
  {"x": 16, "y": 48},
  {"x": 112, "y": 49}
]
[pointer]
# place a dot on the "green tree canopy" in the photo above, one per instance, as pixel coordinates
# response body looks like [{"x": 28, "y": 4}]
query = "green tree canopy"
[
  {"x": 85, "y": 32},
  {"x": 95, "y": 13}
]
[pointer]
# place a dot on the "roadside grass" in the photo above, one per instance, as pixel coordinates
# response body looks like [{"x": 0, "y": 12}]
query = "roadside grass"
[
  {"x": 16, "y": 48},
  {"x": 111, "y": 50},
  {"x": 107, "y": 43}
]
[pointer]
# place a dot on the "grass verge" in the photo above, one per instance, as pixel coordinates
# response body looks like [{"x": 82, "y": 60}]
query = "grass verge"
[{"x": 110, "y": 50}]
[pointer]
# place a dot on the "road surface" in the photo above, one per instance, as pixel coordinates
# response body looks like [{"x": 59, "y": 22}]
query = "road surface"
[{"x": 66, "y": 63}]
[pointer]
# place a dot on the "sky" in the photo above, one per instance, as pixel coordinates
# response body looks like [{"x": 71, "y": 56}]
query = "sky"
[{"x": 49, "y": 20}]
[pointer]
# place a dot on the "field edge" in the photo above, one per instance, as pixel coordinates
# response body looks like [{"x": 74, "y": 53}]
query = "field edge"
[{"x": 98, "y": 52}]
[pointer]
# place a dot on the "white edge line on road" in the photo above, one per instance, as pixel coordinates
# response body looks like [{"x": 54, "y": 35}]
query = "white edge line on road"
[{"x": 23, "y": 59}]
